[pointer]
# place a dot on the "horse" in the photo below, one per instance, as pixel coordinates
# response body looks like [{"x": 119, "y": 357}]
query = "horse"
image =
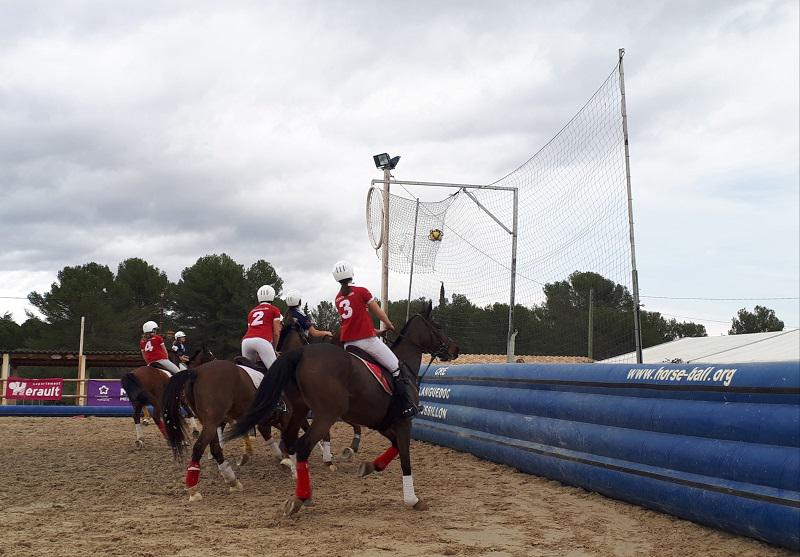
[
  {"x": 145, "y": 385},
  {"x": 335, "y": 384},
  {"x": 217, "y": 392},
  {"x": 292, "y": 336}
]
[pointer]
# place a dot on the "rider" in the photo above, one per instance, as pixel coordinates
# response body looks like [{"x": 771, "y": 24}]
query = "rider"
[
  {"x": 179, "y": 347},
  {"x": 263, "y": 329},
  {"x": 153, "y": 349},
  {"x": 354, "y": 303},
  {"x": 306, "y": 324}
]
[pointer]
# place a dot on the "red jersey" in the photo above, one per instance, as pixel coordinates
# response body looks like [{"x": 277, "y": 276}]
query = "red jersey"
[
  {"x": 356, "y": 321},
  {"x": 260, "y": 321},
  {"x": 153, "y": 349}
]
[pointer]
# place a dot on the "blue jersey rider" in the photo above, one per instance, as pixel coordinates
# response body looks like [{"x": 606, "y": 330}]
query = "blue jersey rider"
[
  {"x": 179, "y": 348},
  {"x": 308, "y": 326}
]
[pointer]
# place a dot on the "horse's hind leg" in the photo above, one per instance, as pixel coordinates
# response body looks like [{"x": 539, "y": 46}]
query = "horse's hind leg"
[
  {"x": 349, "y": 452},
  {"x": 266, "y": 432},
  {"x": 137, "y": 425},
  {"x": 193, "y": 470},
  {"x": 383, "y": 460},
  {"x": 224, "y": 466},
  {"x": 303, "y": 448},
  {"x": 325, "y": 446}
]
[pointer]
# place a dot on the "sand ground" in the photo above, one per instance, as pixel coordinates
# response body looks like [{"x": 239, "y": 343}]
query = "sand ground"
[{"x": 77, "y": 486}]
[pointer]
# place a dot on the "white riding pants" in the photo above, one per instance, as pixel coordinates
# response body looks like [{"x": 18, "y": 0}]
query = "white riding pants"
[
  {"x": 172, "y": 368},
  {"x": 378, "y": 350},
  {"x": 255, "y": 349}
]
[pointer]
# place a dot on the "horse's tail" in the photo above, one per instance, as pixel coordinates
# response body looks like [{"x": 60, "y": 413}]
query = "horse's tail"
[
  {"x": 269, "y": 392},
  {"x": 136, "y": 393},
  {"x": 172, "y": 403}
]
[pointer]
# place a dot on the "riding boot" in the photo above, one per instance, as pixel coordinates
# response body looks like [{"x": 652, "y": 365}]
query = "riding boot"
[{"x": 404, "y": 391}]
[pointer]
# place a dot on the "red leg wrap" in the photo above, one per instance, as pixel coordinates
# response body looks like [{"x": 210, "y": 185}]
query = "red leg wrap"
[
  {"x": 303, "y": 489},
  {"x": 163, "y": 429},
  {"x": 193, "y": 474},
  {"x": 383, "y": 460}
]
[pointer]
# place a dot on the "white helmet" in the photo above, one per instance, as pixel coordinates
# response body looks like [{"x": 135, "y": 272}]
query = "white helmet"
[
  {"x": 342, "y": 270},
  {"x": 266, "y": 293},
  {"x": 293, "y": 298},
  {"x": 180, "y": 334},
  {"x": 149, "y": 327}
]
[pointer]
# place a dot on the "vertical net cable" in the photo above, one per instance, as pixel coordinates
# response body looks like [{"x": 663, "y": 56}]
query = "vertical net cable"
[{"x": 573, "y": 237}]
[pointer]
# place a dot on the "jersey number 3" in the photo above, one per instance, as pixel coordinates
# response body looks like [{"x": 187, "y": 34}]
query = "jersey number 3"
[
  {"x": 347, "y": 311},
  {"x": 258, "y": 319}
]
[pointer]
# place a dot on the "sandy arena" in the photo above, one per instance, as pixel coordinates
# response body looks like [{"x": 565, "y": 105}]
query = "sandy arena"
[{"x": 76, "y": 486}]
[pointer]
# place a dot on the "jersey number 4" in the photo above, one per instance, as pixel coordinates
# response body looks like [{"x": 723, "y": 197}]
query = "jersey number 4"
[
  {"x": 258, "y": 318},
  {"x": 148, "y": 346},
  {"x": 347, "y": 311}
]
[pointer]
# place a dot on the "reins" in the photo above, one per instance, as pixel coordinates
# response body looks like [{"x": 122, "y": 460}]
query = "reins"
[{"x": 434, "y": 354}]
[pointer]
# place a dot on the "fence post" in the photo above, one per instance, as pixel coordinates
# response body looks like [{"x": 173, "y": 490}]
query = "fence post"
[{"x": 4, "y": 373}]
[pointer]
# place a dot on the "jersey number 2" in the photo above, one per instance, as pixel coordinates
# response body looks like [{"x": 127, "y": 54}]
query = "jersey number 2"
[
  {"x": 347, "y": 311},
  {"x": 258, "y": 318}
]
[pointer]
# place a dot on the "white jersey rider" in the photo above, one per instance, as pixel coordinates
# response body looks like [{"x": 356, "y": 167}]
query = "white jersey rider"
[
  {"x": 263, "y": 329},
  {"x": 153, "y": 348},
  {"x": 354, "y": 304}
]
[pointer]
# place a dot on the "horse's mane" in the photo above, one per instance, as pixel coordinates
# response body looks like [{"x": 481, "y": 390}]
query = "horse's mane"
[
  {"x": 403, "y": 330},
  {"x": 288, "y": 324}
]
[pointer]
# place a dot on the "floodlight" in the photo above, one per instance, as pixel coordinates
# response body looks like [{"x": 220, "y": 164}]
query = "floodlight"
[{"x": 381, "y": 161}]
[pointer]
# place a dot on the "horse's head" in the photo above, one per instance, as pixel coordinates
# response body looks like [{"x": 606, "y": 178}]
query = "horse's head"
[
  {"x": 201, "y": 356},
  {"x": 291, "y": 334},
  {"x": 428, "y": 335}
]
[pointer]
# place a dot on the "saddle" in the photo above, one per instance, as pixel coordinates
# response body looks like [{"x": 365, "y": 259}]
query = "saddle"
[
  {"x": 160, "y": 367},
  {"x": 258, "y": 366},
  {"x": 380, "y": 373}
]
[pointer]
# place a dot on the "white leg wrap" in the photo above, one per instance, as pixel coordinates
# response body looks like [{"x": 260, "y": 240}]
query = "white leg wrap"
[
  {"x": 194, "y": 424},
  {"x": 409, "y": 497},
  {"x": 275, "y": 446},
  {"x": 219, "y": 436},
  {"x": 356, "y": 436},
  {"x": 227, "y": 472},
  {"x": 138, "y": 428},
  {"x": 293, "y": 458},
  {"x": 326, "y": 452}
]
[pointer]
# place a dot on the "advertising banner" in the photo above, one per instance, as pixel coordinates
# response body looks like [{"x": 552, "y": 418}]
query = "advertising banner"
[
  {"x": 106, "y": 393},
  {"x": 19, "y": 388}
]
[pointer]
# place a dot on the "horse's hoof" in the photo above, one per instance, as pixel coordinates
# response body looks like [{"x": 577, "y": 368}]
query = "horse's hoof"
[
  {"x": 145, "y": 421},
  {"x": 244, "y": 459},
  {"x": 139, "y": 444},
  {"x": 308, "y": 503},
  {"x": 235, "y": 487},
  {"x": 420, "y": 506},
  {"x": 292, "y": 506},
  {"x": 196, "y": 496},
  {"x": 347, "y": 454},
  {"x": 287, "y": 462},
  {"x": 366, "y": 469},
  {"x": 331, "y": 466}
]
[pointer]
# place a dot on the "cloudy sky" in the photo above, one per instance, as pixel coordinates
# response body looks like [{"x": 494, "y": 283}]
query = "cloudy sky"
[{"x": 171, "y": 130}]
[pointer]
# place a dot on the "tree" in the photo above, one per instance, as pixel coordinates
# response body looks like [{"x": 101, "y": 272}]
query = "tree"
[
  {"x": 326, "y": 317},
  {"x": 760, "y": 320},
  {"x": 10, "y": 333},
  {"x": 84, "y": 290},
  {"x": 141, "y": 292}
]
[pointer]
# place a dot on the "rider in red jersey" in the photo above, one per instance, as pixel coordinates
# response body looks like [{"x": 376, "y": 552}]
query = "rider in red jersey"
[
  {"x": 153, "y": 348},
  {"x": 263, "y": 329},
  {"x": 354, "y": 303}
]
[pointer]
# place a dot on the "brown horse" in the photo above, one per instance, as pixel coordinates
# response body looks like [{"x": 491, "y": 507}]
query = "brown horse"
[
  {"x": 292, "y": 337},
  {"x": 217, "y": 392},
  {"x": 145, "y": 386},
  {"x": 335, "y": 384}
]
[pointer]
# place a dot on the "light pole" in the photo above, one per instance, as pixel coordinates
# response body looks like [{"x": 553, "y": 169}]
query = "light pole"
[{"x": 387, "y": 164}]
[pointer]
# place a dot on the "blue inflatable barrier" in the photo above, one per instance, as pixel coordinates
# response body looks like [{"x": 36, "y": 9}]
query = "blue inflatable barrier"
[
  {"x": 716, "y": 444},
  {"x": 66, "y": 411}
]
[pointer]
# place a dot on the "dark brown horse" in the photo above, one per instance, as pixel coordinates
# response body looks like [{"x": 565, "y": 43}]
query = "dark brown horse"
[
  {"x": 292, "y": 337},
  {"x": 217, "y": 392},
  {"x": 334, "y": 384},
  {"x": 145, "y": 386}
]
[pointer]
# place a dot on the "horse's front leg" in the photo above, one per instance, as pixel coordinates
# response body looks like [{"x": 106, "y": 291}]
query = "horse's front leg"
[{"x": 403, "y": 434}]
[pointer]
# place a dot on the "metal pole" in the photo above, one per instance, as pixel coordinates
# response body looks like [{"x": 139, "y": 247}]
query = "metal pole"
[
  {"x": 637, "y": 320},
  {"x": 387, "y": 174},
  {"x": 413, "y": 251},
  {"x": 510, "y": 340},
  {"x": 591, "y": 321}
]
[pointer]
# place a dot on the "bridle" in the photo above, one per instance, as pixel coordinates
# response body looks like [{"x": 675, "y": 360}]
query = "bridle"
[{"x": 440, "y": 352}]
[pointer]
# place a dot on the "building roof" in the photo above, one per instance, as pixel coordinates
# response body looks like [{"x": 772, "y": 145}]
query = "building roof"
[{"x": 729, "y": 349}]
